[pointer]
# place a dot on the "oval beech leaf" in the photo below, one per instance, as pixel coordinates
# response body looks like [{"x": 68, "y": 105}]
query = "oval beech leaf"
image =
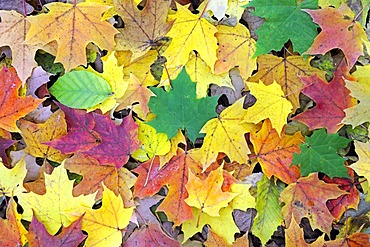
[{"x": 80, "y": 89}]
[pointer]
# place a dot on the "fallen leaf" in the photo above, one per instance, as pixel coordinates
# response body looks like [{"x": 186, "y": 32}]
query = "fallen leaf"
[
  {"x": 105, "y": 225},
  {"x": 190, "y": 32},
  {"x": 35, "y": 135},
  {"x": 12, "y": 228},
  {"x": 339, "y": 30},
  {"x": 13, "y": 107},
  {"x": 294, "y": 235},
  {"x": 143, "y": 28},
  {"x": 120, "y": 181},
  {"x": 275, "y": 153},
  {"x": 358, "y": 114},
  {"x": 11, "y": 180},
  {"x": 207, "y": 195},
  {"x": 320, "y": 154},
  {"x": 226, "y": 127},
  {"x": 307, "y": 198},
  {"x": 236, "y": 48},
  {"x": 51, "y": 208},
  {"x": 331, "y": 99},
  {"x": 271, "y": 103},
  {"x": 150, "y": 235},
  {"x": 286, "y": 72},
  {"x": 69, "y": 236},
  {"x": 66, "y": 24},
  {"x": 13, "y": 29}
]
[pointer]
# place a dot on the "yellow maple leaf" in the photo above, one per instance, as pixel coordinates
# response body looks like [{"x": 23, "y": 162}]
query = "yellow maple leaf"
[
  {"x": 271, "y": 103},
  {"x": 207, "y": 194},
  {"x": 11, "y": 180},
  {"x": 224, "y": 225},
  {"x": 53, "y": 208},
  {"x": 360, "y": 89},
  {"x": 13, "y": 29},
  {"x": 67, "y": 25},
  {"x": 244, "y": 199},
  {"x": 110, "y": 12},
  {"x": 236, "y": 8},
  {"x": 190, "y": 32},
  {"x": 236, "y": 48},
  {"x": 200, "y": 73},
  {"x": 113, "y": 74},
  {"x": 105, "y": 224},
  {"x": 286, "y": 72},
  {"x": 152, "y": 143},
  {"x": 362, "y": 166},
  {"x": 175, "y": 141},
  {"x": 35, "y": 135},
  {"x": 226, "y": 134}
]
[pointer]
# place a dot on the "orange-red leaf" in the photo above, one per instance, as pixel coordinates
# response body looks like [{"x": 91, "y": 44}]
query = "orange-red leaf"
[
  {"x": 275, "y": 153},
  {"x": 13, "y": 107},
  {"x": 339, "y": 30},
  {"x": 307, "y": 198}
]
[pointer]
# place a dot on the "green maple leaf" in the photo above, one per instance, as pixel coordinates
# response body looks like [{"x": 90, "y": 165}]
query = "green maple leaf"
[
  {"x": 180, "y": 109},
  {"x": 284, "y": 20},
  {"x": 319, "y": 154}
]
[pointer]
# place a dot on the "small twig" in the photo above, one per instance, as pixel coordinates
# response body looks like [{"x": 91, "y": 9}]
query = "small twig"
[{"x": 359, "y": 13}]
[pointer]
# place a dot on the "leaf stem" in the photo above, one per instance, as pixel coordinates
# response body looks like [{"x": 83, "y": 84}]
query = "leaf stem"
[
  {"x": 24, "y": 8},
  {"x": 150, "y": 169}
]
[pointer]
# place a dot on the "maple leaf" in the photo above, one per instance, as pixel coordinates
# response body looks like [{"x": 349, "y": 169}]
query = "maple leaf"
[
  {"x": 284, "y": 20},
  {"x": 152, "y": 143},
  {"x": 52, "y": 208},
  {"x": 117, "y": 180},
  {"x": 81, "y": 135},
  {"x": 200, "y": 73},
  {"x": 211, "y": 198},
  {"x": 190, "y": 32},
  {"x": 11, "y": 180},
  {"x": 13, "y": 29},
  {"x": 236, "y": 48},
  {"x": 117, "y": 142},
  {"x": 226, "y": 127},
  {"x": 108, "y": 221},
  {"x": 330, "y": 98},
  {"x": 271, "y": 103},
  {"x": 338, "y": 206},
  {"x": 38, "y": 235},
  {"x": 339, "y": 23},
  {"x": 268, "y": 209},
  {"x": 179, "y": 109},
  {"x": 285, "y": 71},
  {"x": 294, "y": 235},
  {"x": 136, "y": 92},
  {"x": 307, "y": 198},
  {"x": 66, "y": 24},
  {"x": 149, "y": 234},
  {"x": 174, "y": 174},
  {"x": 361, "y": 167},
  {"x": 13, "y": 107},
  {"x": 35, "y": 135},
  {"x": 98, "y": 136},
  {"x": 319, "y": 154},
  {"x": 359, "y": 114},
  {"x": 275, "y": 152},
  {"x": 143, "y": 28},
  {"x": 12, "y": 227}
]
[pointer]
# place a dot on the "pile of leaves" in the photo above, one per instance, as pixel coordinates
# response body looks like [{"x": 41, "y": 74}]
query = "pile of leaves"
[{"x": 169, "y": 123}]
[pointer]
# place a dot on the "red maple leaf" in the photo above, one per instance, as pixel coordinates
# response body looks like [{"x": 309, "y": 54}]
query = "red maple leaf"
[{"x": 330, "y": 98}]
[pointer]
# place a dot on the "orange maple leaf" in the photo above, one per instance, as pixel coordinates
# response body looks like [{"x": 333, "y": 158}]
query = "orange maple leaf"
[{"x": 13, "y": 107}]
